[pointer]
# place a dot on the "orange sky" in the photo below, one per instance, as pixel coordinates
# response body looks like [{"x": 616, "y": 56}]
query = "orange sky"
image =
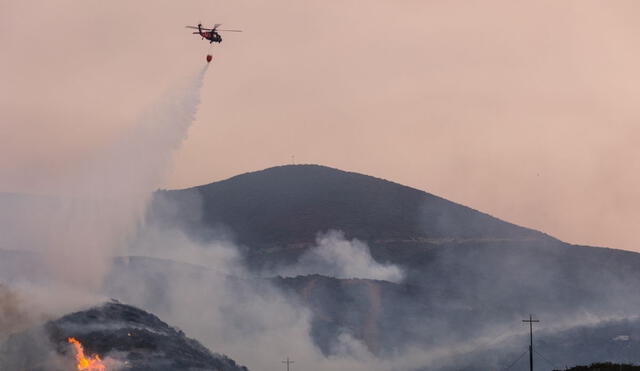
[{"x": 527, "y": 110}]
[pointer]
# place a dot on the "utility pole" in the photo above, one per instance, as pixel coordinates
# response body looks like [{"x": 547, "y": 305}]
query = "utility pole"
[
  {"x": 287, "y": 362},
  {"x": 531, "y": 321}
]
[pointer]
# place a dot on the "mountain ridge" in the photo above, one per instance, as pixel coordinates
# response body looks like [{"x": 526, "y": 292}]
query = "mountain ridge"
[{"x": 362, "y": 206}]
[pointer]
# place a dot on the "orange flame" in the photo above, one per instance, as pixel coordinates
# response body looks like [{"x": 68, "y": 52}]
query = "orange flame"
[{"x": 93, "y": 363}]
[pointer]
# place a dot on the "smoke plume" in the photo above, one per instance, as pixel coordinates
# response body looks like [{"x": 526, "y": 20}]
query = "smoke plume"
[{"x": 335, "y": 256}]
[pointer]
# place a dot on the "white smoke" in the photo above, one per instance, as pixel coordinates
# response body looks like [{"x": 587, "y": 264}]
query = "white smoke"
[
  {"x": 247, "y": 319},
  {"x": 335, "y": 256}
]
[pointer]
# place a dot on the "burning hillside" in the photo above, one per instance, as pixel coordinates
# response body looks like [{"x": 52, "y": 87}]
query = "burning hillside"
[{"x": 109, "y": 337}]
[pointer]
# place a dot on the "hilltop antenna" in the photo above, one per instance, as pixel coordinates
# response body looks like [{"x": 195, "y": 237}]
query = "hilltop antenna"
[
  {"x": 531, "y": 321},
  {"x": 287, "y": 362}
]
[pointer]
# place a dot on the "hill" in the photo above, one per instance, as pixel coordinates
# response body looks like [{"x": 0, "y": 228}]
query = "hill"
[
  {"x": 286, "y": 206},
  {"x": 289, "y": 204},
  {"x": 121, "y": 334}
]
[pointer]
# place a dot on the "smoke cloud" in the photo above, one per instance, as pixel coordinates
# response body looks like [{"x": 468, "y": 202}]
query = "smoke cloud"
[
  {"x": 240, "y": 315},
  {"x": 335, "y": 256},
  {"x": 12, "y": 315}
]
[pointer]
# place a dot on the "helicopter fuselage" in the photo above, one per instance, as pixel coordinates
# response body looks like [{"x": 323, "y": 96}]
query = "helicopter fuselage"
[
  {"x": 211, "y": 34},
  {"x": 213, "y": 37}
]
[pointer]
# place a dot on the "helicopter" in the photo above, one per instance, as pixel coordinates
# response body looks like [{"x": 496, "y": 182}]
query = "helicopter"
[{"x": 210, "y": 34}]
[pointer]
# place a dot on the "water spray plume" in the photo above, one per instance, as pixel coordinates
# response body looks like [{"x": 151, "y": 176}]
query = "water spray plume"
[
  {"x": 103, "y": 203},
  {"x": 93, "y": 363}
]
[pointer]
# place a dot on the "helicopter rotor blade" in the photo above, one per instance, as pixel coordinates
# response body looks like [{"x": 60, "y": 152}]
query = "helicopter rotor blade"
[
  {"x": 215, "y": 28},
  {"x": 201, "y": 28}
]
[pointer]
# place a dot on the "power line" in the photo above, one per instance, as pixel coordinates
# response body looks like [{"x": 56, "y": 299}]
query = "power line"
[
  {"x": 516, "y": 361},
  {"x": 547, "y": 360}
]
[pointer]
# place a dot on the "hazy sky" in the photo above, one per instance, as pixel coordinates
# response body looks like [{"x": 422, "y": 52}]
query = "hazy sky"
[{"x": 527, "y": 110}]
